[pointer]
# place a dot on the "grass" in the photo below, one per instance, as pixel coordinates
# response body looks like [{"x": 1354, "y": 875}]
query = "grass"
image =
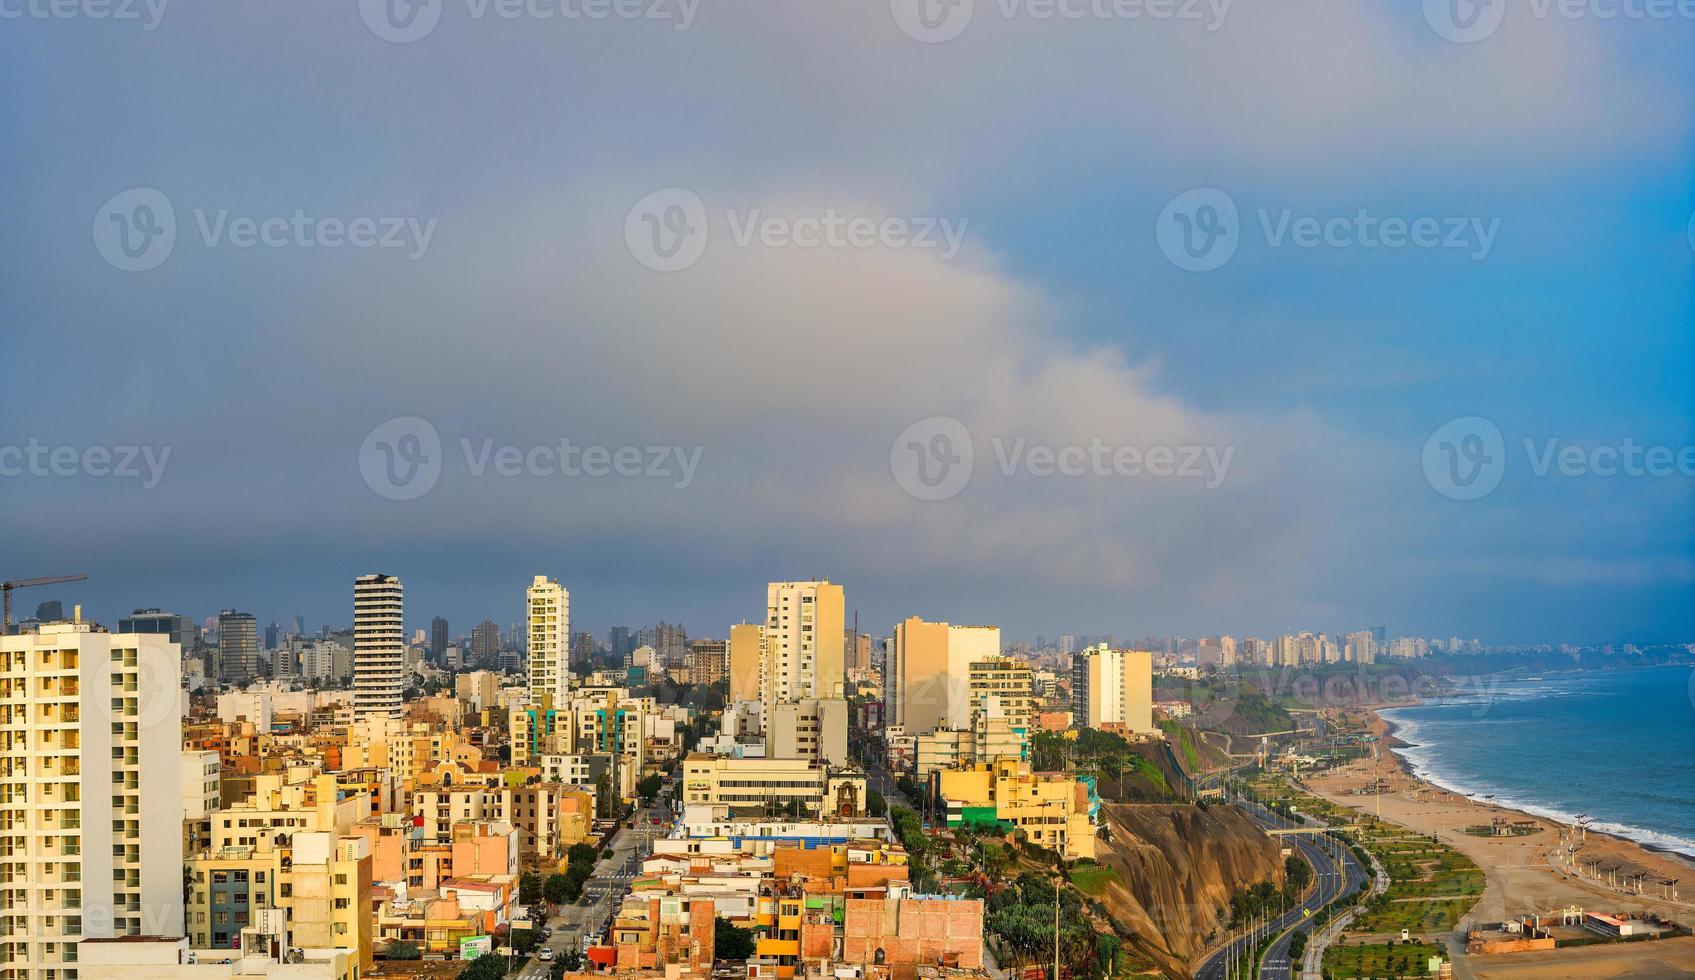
[
  {"x": 1379, "y": 960},
  {"x": 1431, "y": 885},
  {"x": 1093, "y": 879}
]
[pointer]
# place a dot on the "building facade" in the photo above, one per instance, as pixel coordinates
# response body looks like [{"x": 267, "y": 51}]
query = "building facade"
[{"x": 379, "y": 645}]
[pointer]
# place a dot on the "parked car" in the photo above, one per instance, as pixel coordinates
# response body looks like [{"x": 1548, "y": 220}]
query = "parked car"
[{"x": 544, "y": 954}]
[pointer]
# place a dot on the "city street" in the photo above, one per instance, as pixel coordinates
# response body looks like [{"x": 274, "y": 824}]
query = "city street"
[{"x": 605, "y": 889}]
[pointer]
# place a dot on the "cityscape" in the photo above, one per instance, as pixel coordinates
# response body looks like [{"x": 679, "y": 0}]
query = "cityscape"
[
  {"x": 793, "y": 798},
  {"x": 1221, "y": 475}
]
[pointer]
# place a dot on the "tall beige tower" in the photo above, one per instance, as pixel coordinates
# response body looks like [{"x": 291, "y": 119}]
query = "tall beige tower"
[
  {"x": 747, "y": 661},
  {"x": 549, "y": 629},
  {"x": 90, "y": 763},
  {"x": 379, "y": 645},
  {"x": 803, "y": 642},
  {"x": 928, "y": 676}
]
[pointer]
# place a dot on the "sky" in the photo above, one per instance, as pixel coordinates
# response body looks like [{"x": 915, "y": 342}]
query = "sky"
[{"x": 1252, "y": 318}]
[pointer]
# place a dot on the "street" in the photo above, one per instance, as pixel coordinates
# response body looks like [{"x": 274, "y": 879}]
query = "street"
[
  {"x": 605, "y": 889},
  {"x": 1336, "y": 872}
]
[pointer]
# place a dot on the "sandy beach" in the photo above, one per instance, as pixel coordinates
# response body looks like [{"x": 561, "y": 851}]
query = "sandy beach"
[{"x": 1525, "y": 874}]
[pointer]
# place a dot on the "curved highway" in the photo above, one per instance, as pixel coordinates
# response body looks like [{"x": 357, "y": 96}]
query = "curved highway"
[{"x": 1336, "y": 873}]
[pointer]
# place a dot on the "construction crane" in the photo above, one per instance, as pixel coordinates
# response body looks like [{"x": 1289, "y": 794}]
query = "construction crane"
[{"x": 29, "y": 583}]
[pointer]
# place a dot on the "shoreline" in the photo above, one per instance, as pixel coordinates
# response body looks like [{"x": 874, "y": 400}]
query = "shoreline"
[
  {"x": 1392, "y": 740},
  {"x": 1524, "y": 874}
]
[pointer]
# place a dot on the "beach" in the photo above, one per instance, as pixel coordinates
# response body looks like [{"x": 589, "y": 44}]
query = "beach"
[{"x": 1524, "y": 874}]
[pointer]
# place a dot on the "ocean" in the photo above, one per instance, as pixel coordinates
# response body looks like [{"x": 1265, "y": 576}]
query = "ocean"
[{"x": 1618, "y": 746}]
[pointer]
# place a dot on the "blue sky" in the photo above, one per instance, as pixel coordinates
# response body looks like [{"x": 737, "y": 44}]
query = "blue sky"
[{"x": 1054, "y": 143}]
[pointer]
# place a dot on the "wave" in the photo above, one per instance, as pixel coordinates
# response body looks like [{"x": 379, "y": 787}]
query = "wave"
[{"x": 1423, "y": 760}]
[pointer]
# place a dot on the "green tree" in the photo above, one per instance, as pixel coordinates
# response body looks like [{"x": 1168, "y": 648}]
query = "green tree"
[
  {"x": 529, "y": 888},
  {"x": 648, "y": 788},
  {"x": 730, "y": 941},
  {"x": 875, "y": 804},
  {"x": 524, "y": 940},
  {"x": 557, "y": 890},
  {"x": 403, "y": 950},
  {"x": 580, "y": 854},
  {"x": 603, "y": 796},
  {"x": 486, "y": 967}
]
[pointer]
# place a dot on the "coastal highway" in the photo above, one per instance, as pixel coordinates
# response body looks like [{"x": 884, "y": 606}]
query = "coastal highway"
[{"x": 1336, "y": 872}]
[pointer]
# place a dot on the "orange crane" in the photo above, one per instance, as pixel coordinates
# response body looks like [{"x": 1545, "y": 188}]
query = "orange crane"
[{"x": 27, "y": 583}]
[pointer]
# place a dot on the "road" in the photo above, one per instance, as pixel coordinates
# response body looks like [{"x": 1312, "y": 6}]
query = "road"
[
  {"x": 1336, "y": 873},
  {"x": 605, "y": 889}
]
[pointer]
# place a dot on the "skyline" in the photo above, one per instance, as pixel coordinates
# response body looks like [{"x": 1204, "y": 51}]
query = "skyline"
[
  {"x": 1037, "y": 301},
  {"x": 419, "y": 619}
]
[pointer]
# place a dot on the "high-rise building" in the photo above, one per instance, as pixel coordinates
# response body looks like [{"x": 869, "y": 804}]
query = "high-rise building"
[
  {"x": 1216, "y": 651},
  {"x": 619, "y": 643},
  {"x": 708, "y": 661},
  {"x": 1113, "y": 688},
  {"x": 549, "y": 623},
  {"x": 51, "y": 611},
  {"x": 582, "y": 651},
  {"x": 858, "y": 651},
  {"x": 485, "y": 643},
  {"x": 928, "y": 677},
  {"x": 272, "y": 633},
  {"x": 1361, "y": 647},
  {"x": 379, "y": 645},
  {"x": 747, "y": 661},
  {"x": 671, "y": 642},
  {"x": 803, "y": 642},
  {"x": 90, "y": 756},
  {"x": 179, "y": 629},
  {"x": 438, "y": 640},
  {"x": 238, "y": 647}
]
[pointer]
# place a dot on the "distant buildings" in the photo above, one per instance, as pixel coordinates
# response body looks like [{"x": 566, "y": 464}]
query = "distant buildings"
[
  {"x": 238, "y": 647},
  {"x": 619, "y": 643},
  {"x": 708, "y": 661},
  {"x": 485, "y": 643},
  {"x": 438, "y": 640},
  {"x": 178, "y": 629},
  {"x": 379, "y": 645}
]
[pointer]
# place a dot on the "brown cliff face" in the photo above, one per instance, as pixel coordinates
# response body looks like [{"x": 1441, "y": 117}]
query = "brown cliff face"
[{"x": 1178, "y": 867}]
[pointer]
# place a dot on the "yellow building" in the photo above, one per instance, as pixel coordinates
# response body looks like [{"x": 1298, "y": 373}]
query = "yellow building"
[
  {"x": 928, "y": 677},
  {"x": 321, "y": 882},
  {"x": 1051, "y": 810},
  {"x": 773, "y": 784},
  {"x": 1011, "y": 682}
]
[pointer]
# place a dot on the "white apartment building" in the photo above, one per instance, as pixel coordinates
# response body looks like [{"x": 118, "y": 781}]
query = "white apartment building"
[
  {"x": 804, "y": 656},
  {"x": 90, "y": 762},
  {"x": 379, "y": 645},
  {"x": 549, "y": 628},
  {"x": 1113, "y": 688}
]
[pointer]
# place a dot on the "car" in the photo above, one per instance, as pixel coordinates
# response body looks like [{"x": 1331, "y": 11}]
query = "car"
[{"x": 544, "y": 954}]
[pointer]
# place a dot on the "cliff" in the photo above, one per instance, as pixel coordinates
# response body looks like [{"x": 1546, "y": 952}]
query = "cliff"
[{"x": 1177, "y": 867}]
